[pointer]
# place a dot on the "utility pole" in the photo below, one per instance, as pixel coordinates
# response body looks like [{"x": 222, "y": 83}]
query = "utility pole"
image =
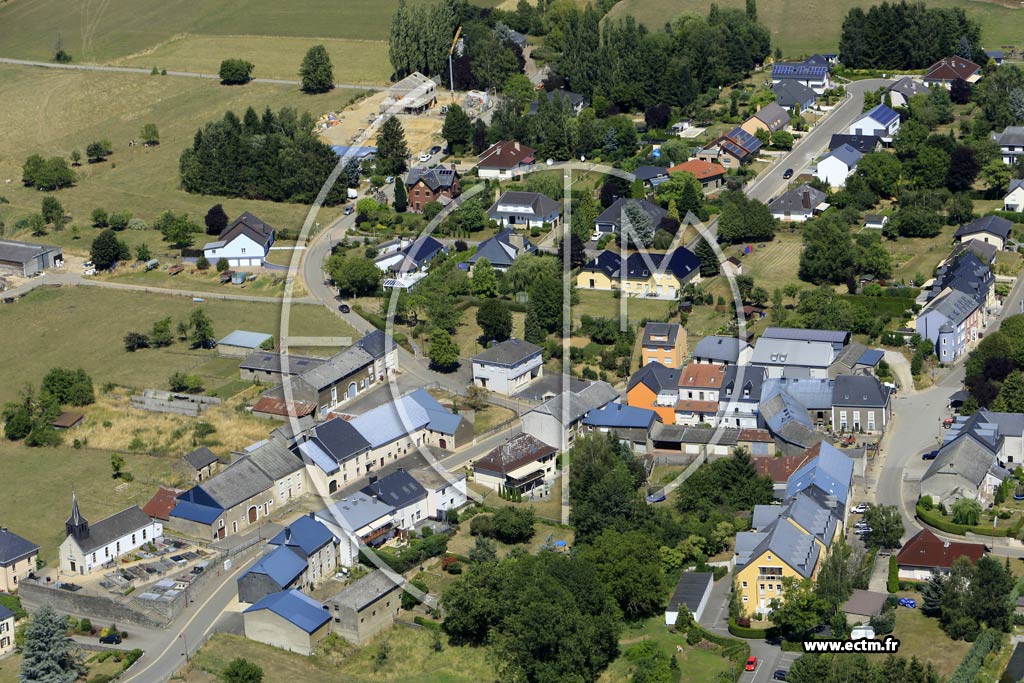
[{"x": 451, "y": 69}]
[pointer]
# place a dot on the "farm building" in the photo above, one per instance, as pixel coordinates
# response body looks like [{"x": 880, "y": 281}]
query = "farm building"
[{"x": 26, "y": 259}]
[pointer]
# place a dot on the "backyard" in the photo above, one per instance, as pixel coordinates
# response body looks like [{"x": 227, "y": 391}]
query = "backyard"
[
  {"x": 701, "y": 663},
  {"x": 923, "y": 636}
]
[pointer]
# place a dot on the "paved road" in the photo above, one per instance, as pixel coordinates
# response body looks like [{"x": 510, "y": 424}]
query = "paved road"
[{"x": 185, "y": 74}]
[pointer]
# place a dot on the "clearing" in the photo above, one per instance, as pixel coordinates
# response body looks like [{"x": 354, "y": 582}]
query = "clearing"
[{"x": 920, "y": 634}]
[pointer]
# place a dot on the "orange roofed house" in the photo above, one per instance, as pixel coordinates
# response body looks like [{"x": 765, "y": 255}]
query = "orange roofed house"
[
  {"x": 699, "y": 387},
  {"x": 710, "y": 174},
  {"x": 655, "y": 387}
]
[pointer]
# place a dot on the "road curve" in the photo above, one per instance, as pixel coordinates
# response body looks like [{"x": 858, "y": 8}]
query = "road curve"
[{"x": 182, "y": 74}]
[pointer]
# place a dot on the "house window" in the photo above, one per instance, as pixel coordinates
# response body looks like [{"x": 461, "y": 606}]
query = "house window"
[
  {"x": 143, "y": 534},
  {"x": 133, "y": 539},
  {"x": 744, "y": 584},
  {"x": 744, "y": 598}
]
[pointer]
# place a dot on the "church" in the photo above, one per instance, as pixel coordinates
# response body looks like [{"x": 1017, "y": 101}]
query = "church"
[{"x": 91, "y": 547}]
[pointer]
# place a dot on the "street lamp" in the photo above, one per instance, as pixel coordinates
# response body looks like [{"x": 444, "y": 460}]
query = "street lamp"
[{"x": 185, "y": 640}]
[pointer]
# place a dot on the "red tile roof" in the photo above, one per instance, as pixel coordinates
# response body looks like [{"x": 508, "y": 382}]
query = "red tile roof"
[
  {"x": 693, "y": 406},
  {"x": 161, "y": 504},
  {"x": 951, "y": 68},
  {"x": 505, "y": 155},
  {"x": 928, "y": 550},
  {"x": 755, "y": 435},
  {"x": 703, "y": 170},
  {"x": 779, "y": 468},
  {"x": 704, "y": 375},
  {"x": 274, "y": 406}
]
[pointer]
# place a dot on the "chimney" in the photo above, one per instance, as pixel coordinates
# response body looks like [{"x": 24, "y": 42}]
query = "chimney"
[
  {"x": 515, "y": 145},
  {"x": 287, "y": 535}
]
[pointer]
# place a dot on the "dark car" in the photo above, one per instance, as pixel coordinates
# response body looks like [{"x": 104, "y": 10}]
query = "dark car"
[
  {"x": 779, "y": 675},
  {"x": 349, "y": 210},
  {"x": 788, "y": 173},
  {"x": 344, "y": 308},
  {"x": 111, "y": 639},
  {"x": 930, "y": 455},
  {"x": 435, "y": 149}
]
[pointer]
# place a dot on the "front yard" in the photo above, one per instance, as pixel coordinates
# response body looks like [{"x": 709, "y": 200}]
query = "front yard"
[{"x": 920, "y": 635}]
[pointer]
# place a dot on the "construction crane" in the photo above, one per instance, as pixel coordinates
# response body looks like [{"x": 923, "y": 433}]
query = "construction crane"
[{"x": 451, "y": 70}]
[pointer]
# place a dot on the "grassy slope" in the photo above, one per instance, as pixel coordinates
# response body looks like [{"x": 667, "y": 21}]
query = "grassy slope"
[
  {"x": 54, "y": 112},
  {"x": 68, "y": 327},
  {"x": 802, "y": 27}
]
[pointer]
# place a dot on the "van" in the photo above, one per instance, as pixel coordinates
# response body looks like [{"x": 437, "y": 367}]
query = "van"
[{"x": 353, "y": 193}]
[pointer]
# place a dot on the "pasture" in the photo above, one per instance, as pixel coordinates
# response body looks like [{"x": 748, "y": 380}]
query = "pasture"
[{"x": 807, "y": 27}]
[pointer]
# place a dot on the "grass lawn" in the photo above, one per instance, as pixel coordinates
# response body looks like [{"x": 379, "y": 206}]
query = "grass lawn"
[
  {"x": 54, "y": 112},
  {"x": 467, "y": 334},
  {"x": 489, "y": 417},
  {"x": 550, "y": 509},
  {"x": 269, "y": 284},
  {"x": 355, "y": 61},
  {"x": 85, "y": 326},
  {"x": 801, "y": 32},
  {"x": 919, "y": 256},
  {"x": 40, "y": 516},
  {"x": 921, "y": 635},
  {"x": 776, "y": 264},
  {"x": 411, "y": 658},
  {"x": 698, "y": 665},
  {"x": 604, "y": 304}
]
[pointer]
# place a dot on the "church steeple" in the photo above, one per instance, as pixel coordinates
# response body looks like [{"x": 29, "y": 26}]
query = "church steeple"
[{"x": 77, "y": 525}]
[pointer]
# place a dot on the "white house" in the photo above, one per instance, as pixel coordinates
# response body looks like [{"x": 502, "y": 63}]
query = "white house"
[
  {"x": 358, "y": 518},
  {"x": 557, "y": 421},
  {"x": 89, "y": 548},
  {"x": 445, "y": 491},
  {"x": 1011, "y": 143},
  {"x": 838, "y": 165},
  {"x": 525, "y": 209},
  {"x": 881, "y": 121},
  {"x": 521, "y": 464},
  {"x": 245, "y": 242},
  {"x": 507, "y": 367},
  {"x": 1014, "y": 199}
]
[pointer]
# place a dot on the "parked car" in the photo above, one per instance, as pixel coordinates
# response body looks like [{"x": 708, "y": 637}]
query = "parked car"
[
  {"x": 435, "y": 149},
  {"x": 390, "y": 179},
  {"x": 111, "y": 639},
  {"x": 787, "y": 175},
  {"x": 88, "y": 264},
  {"x": 349, "y": 210},
  {"x": 597, "y": 235},
  {"x": 779, "y": 675},
  {"x": 909, "y": 603},
  {"x": 344, "y": 308},
  {"x": 930, "y": 455},
  {"x": 947, "y": 423},
  {"x": 424, "y": 156},
  {"x": 90, "y": 271},
  {"x": 861, "y": 508},
  {"x": 656, "y": 497},
  {"x": 751, "y": 664}
]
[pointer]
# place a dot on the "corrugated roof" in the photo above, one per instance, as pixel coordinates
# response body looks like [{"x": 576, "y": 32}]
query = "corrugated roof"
[
  {"x": 296, "y": 608},
  {"x": 831, "y": 472},
  {"x": 244, "y": 339},
  {"x": 618, "y": 415},
  {"x": 306, "y": 533}
]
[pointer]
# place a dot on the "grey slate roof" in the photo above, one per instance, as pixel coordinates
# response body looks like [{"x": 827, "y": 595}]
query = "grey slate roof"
[
  {"x": 668, "y": 330},
  {"x": 250, "y": 226},
  {"x": 355, "y": 511},
  {"x": 593, "y": 396},
  {"x": 796, "y": 549},
  {"x": 790, "y": 352},
  {"x": 238, "y": 482},
  {"x": 800, "y": 200},
  {"x": 397, "y": 489},
  {"x": 367, "y": 590},
  {"x": 862, "y": 143},
  {"x": 508, "y": 353},
  {"x": 263, "y": 361},
  {"x": 792, "y": 93},
  {"x": 908, "y": 87},
  {"x": 719, "y": 349},
  {"x": 859, "y": 391},
  {"x": 114, "y": 527},
  {"x": 337, "y": 367},
  {"x": 773, "y": 116},
  {"x": 690, "y": 591},
  {"x": 435, "y": 177},
  {"x": 996, "y": 225},
  {"x": 1011, "y": 135},
  {"x": 339, "y": 439},
  {"x": 540, "y": 205},
  {"x": 613, "y": 214},
  {"x": 958, "y": 469},
  {"x": 275, "y": 460},
  {"x": 377, "y": 343},
  {"x": 500, "y": 250},
  {"x": 747, "y": 387},
  {"x": 13, "y": 547},
  {"x": 200, "y": 458},
  {"x": 846, "y": 154},
  {"x": 22, "y": 252},
  {"x": 954, "y": 305},
  {"x": 550, "y": 386}
]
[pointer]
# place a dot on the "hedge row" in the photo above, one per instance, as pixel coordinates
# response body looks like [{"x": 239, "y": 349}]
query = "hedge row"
[
  {"x": 746, "y": 631},
  {"x": 736, "y": 650},
  {"x": 971, "y": 664},
  {"x": 932, "y": 518},
  {"x": 1014, "y": 216},
  {"x": 893, "y": 583},
  {"x": 377, "y": 321}
]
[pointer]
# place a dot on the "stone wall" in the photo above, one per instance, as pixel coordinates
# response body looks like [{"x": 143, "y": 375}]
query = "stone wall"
[{"x": 100, "y": 609}]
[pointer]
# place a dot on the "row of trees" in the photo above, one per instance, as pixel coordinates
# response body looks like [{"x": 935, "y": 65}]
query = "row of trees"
[
  {"x": 197, "y": 330},
  {"x": 972, "y": 597},
  {"x": 993, "y": 369},
  {"x": 316, "y": 72},
  {"x": 832, "y": 254}
]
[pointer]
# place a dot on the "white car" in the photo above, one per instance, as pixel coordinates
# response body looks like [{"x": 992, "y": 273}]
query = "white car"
[
  {"x": 424, "y": 156},
  {"x": 861, "y": 508},
  {"x": 597, "y": 235},
  {"x": 90, "y": 271}
]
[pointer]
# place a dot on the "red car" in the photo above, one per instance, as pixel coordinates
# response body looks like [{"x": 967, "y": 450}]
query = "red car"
[{"x": 751, "y": 664}]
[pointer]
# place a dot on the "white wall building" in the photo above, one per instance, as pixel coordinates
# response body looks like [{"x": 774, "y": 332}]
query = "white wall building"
[{"x": 89, "y": 548}]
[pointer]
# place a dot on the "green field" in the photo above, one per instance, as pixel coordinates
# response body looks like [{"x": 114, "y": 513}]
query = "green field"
[
  {"x": 53, "y": 112},
  {"x": 84, "y": 327},
  {"x": 802, "y": 28},
  {"x": 96, "y": 30},
  {"x": 50, "y": 474}
]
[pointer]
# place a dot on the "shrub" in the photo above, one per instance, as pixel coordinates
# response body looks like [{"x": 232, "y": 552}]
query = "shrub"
[
  {"x": 202, "y": 263},
  {"x": 893, "y": 583},
  {"x": 736, "y": 629},
  {"x": 971, "y": 664},
  {"x": 884, "y": 622},
  {"x": 482, "y": 525}
]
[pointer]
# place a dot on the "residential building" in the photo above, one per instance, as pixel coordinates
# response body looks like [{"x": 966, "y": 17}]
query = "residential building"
[
  {"x": 732, "y": 149},
  {"x": 366, "y": 607},
  {"x": 865, "y": 144},
  {"x": 989, "y": 229},
  {"x": 902, "y": 90},
  {"x": 651, "y": 176},
  {"x": 242, "y": 342},
  {"x": 574, "y": 102},
  {"x": 278, "y": 570},
  {"x": 1011, "y": 432},
  {"x": 811, "y": 73},
  {"x": 508, "y": 366},
  {"x": 710, "y": 174},
  {"x": 433, "y": 184},
  {"x": 765, "y": 557},
  {"x": 770, "y": 118},
  {"x": 828, "y": 475},
  {"x": 836, "y": 338},
  {"x": 779, "y": 468},
  {"x": 838, "y": 165},
  {"x": 414, "y": 94},
  {"x": 27, "y": 259},
  {"x": 692, "y": 593},
  {"x": 502, "y": 250},
  {"x": 855, "y": 359},
  {"x": 557, "y": 421},
  {"x": 400, "y": 490},
  {"x": 288, "y": 620},
  {"x": 793, "y": 96},
  {"x": 506, "y": 34},
  {"x": 630, "y": 424},
  {"x": 1011, "y": 143},
  {"x": 202, "y": 463},
  {"x": 788, "y": 419},
  {"x": 358, "y": 519},
  {"x": 446, "y": 491},
  {"x": 655, "y": 387},
  {"x": 874, "y": 221},
  {"x": 926, "y": 555},
  {"x": 246, "y": 241},
  {"x": 860, "y": 403},
  {"x": 699, "y": 387},
  {"x": 881, "y": 121},
  {"x": 6, "y": 631},
  {"x": 664, "y": 343},
  {"x": 740, "y": 396},
  {"x": 1014, "y": 199},
  {"x": 521, "y": 464},
  {"x": 949, "y": 69},
  {"x": 18, "y": 557},
  {"x": 799, "y": 204},
  {"x": 504, "y": 160},
  {"x": 610, "y": 220},
  {"x": 415, "y": 257},
  {"x": 793, "y": 358},
  {"x": 995, "y": 55},
  {"x": 525, "y": 210},
  {"x": 724, "y": 350},
  {"x": 271, "y": 367},
  {"x": 91, "y": 547},
  {"x": 649, "y": 275},
  {"x": 952, "y": 321},
  {"x": 968, "y": 462}
]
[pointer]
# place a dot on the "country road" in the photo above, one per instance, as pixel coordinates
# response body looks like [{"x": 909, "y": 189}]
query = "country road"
[{"x": 182, "y": 74}]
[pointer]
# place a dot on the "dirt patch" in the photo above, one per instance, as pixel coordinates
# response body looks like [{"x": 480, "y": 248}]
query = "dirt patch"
[{"x": 421, "y": 132}]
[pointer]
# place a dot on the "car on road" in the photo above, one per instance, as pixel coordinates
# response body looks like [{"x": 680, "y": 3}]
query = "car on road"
[
  {"x": 424, "y": 156},
  {"x": 779, "y": 675},
  {"x": 930, "y": 455},
  {"x": 198, "y": 299},
  {"x": 390, "y": 179},
  {"x": 909, "y": 603},
  {"x": 344, "y": 308},
  {"x": 435, "y": 149},
  {"x": 111, "y": 639},
  {"x": 90, "y": 271},
  {"x": 787, "y": 174},
  {"x": 861, "y": 508},
  {"x": 947, "y": 423},
  {"x": 656, "y": 496},
  {"x": 751, "y": 664},
  {"x": 349, "y": 210}
]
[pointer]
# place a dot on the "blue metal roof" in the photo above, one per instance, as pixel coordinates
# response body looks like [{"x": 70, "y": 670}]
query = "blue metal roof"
[
  {"x": 798, "y": 71},
  {"x": 306, "y": 533},
  {"x": 871, "y": 357},
  {"x": 831, "y": 471},
  {"x": 325, "y": 462},
  {"x": 281, "y": 564},
  {"x": 618, "y": 415},
  {"x": 883, "y": 114},
  {"x": 846, "y": 154},
  {"x": 244, "y": 339},
  {"x": 195, "y": 512},
  {"x": 296, "y": 608}
]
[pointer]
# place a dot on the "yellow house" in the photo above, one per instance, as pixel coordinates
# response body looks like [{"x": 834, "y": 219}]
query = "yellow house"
[
  {"x": 649, "y": 275},
  {"x": 663, "y": 343},
  {"x": 17, "y": 560}
]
